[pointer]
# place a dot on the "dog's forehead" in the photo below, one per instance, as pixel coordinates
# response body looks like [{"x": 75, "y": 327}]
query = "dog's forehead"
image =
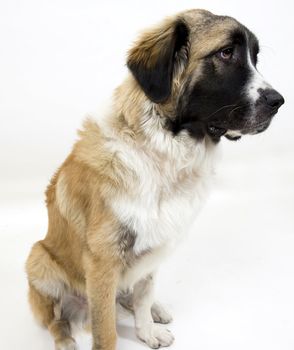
[
  {"x": 209, "y": 31},
  {"x": 201, "y": 21}
]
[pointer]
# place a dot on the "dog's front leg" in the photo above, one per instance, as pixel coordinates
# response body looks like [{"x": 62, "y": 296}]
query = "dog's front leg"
[
  {"x": 101, "y": 277},
  {"x": 153, "y": 334}
]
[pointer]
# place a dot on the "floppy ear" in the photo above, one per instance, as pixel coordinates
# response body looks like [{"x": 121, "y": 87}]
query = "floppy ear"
[{"x": 154, "y": 58}]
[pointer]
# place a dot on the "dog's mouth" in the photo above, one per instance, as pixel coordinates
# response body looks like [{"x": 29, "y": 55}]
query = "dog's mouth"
[
  {"x": 244, "y": 121},
  {"x": 217, "y": 132},
  {"x": 233, "y": 137}
]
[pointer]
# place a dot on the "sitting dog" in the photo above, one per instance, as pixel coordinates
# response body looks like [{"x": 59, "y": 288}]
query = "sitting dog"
[{"x": 134, "y": 181}]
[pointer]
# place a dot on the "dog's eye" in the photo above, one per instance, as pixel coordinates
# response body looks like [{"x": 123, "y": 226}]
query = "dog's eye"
[{"x": 226, "y": 54}]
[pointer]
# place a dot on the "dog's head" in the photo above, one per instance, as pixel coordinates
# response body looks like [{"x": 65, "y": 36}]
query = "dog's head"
[{"x": 205, "y": 67}]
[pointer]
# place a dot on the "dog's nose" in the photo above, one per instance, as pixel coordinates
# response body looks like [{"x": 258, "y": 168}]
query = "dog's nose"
[{"x": 272, "y": 98}]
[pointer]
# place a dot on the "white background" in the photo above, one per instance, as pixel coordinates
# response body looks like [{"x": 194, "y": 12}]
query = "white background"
[{"x": 230, "y": 286}]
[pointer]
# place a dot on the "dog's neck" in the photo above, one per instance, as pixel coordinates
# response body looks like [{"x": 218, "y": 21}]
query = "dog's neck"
[{"x": 145, "y": 124}]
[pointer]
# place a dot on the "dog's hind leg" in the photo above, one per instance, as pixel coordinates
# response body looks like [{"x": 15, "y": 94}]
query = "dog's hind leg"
[
  {"x": 45, "y": 291},
  {"x": 49, "y": 314}
]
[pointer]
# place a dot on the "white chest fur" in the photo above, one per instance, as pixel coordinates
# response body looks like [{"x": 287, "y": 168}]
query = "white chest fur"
[
  {"x": 157, "y": 220},
  {"x": 167, "y": 199},
  {"x": 169, "y": 191}
]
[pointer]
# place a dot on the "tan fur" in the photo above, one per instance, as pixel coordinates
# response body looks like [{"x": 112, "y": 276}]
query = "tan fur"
[
  {"x": 152, "y": 44},
  {"x": 82, "y": 253}
]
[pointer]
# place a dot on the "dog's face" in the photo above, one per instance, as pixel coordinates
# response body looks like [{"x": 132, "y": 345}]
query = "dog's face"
[{"x": 205, "y": 65}]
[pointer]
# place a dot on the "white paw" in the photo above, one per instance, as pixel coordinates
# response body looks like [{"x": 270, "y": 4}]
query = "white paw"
[
  {"x": 160, "y": 314},
  {"x": 155, "y": 336},
  {"x": 66, "y": 344}
]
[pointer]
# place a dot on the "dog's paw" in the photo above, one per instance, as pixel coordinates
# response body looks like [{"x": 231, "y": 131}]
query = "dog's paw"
[
  {"x": 160, "y": 314},
  {"x": 155, "y": 336},
  {"x": 66, "y": 344}
]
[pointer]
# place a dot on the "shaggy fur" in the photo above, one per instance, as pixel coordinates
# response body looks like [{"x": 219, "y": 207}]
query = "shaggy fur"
[{"x": 134, "y": 182}]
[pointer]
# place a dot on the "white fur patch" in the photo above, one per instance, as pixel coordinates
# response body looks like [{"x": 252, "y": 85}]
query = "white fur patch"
[
  {"x": 145, "y": 265},
  {"x": 173, "y": 176},
  {"x": 234, "y": 133},
  {"x": 257, "y": 81},
  {"x": 169, "y": 192}
]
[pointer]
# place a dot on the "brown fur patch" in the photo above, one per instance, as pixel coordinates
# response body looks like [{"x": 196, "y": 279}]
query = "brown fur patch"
[{"x": 86, "y": 248}]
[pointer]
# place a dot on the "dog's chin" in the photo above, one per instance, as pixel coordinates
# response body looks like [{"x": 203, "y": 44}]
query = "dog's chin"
[
  {"x": 257, "y": 128},
  {"x": 260, "y": 128},
  {"x": 235, "y": 133}
]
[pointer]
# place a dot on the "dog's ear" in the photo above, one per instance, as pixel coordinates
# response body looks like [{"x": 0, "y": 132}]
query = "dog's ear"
[{"x": 154, "y": 59}]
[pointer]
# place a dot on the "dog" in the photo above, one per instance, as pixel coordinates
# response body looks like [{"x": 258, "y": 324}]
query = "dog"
[{"x": 134, "y": 181}]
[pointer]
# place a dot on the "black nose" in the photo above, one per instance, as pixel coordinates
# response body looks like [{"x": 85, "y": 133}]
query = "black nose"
[{"x": 272, "y": 98}]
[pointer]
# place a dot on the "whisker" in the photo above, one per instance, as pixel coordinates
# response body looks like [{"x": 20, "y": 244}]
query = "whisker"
[
  {"x": 239, "y": 107},
  {"x": 223, "y": 107},
  {"x": 235, "y": 109}
]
